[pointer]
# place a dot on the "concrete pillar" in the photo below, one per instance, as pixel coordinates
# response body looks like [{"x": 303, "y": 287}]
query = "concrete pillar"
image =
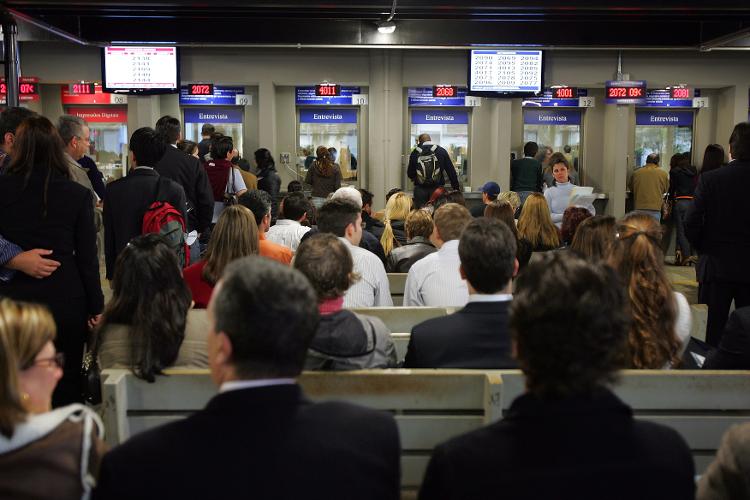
[
  {"x": 385, "y": 129},
  {"x": 616, "y": 157},
  {"x": 732, "y": 109},
  {"x": 501, "y": 124},
  {"x": 267, "y": 116},
  {"x": 143, "y": 111}
]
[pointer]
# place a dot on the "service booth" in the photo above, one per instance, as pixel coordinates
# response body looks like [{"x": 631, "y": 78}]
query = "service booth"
[
  {"x": 332, "y": 121},
  {"x": 446, "y": 118},
  {"x": 107, "y": 116},
  {"x": 224, "y": 109}
]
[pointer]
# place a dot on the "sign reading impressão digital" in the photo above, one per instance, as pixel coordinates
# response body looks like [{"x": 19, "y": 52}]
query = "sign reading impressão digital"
[
  {"x": 547, "y": 116},
  {"x": 328, "y": 116},
  {"x": 661, "y": 118},
  {"x": 213, "y": 115},
  {"x": 306, "y": 96},
  {"x": 222, "y": 96},
  {"x": 439, "y": 117},
  {"x": 423, "y": 96}
]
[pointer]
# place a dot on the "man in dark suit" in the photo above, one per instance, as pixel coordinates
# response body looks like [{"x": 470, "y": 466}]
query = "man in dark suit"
[
  {"x": 477, "y": 336},
  {"x": 187, "y": 171},
  {"x": 260, "y": 437},
  {"x": 734, "y": 351},
  {"x": 568, "y": 436},
  {"x": 718, "y": 225},
  {"x": 129, "y": 198},
  {"x": 526, "y": 175}
]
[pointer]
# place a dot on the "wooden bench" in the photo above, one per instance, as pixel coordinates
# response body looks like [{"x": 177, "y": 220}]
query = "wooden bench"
[
  {"x": 699, "y": 404},
  {"x": 397, "y": 284},
  {"x": 402, "y": 319},
  {"x": 430, "y": 406}
]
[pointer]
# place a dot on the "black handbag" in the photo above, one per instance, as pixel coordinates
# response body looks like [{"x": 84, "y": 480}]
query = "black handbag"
[
  {"x": 230, "y": 198},
  {"x": 91, "y": 379}
]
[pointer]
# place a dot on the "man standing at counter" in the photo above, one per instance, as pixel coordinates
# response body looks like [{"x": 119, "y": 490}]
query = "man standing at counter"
[{"x": 428, "y": 164}]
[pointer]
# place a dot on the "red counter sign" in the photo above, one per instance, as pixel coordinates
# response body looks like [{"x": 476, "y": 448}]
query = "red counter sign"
[
  {"x": 98, "y": 97},
  {"x": 110, "y": 114},
  {"x": 28, "y": 89}
]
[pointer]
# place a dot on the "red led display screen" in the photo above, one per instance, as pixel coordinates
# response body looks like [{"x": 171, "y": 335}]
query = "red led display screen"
[
  {"x": 23, "y": 89},
  {"x": 82, "y": 88},
  {"x": 201, "y": 89},
  {"x": 444, "y": 91},
  {"x": 327, "y": 90},
  {"x": 680, "y": 93},
  {"x": 564, "y": 93},
  {"x": 625, "y": 92}
]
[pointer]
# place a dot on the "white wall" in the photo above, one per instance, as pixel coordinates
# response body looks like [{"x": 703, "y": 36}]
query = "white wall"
[{"x": 496, "y": 128}]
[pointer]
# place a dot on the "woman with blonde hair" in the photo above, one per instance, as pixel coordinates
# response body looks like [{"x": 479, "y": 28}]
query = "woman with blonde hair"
[
  {"x": 235, "y": 235},
  {"x": 513, "y": 198},
  {"x": 44, "y": 453},
  {"x": 324, "y": 175},
  {"x": 396, "y": 211},
  {"x": 535, "y": 224},
  {"x": 660, "y": 327}
]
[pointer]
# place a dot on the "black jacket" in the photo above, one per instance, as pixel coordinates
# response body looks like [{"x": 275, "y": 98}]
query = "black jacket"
[
  {"x": 582, "y": 448},
  {"x": 399, "y": 232},
  {"x": 402, "y": 258},
  {"x": 682, "y": 181},
  {"x": 477, "y": 336},
  {"x": 370, "y": 223},
  {"x": 67, "y": 229},
  {"x": 734, "y": 350},
  {"x": 127, "y": 201},
  {"x": 270, "y": 182},
  {"x": 267, "y": 442},
  {"x": 718, "y": 223},
  {"x": 444, "y": 162},
  {"x": 188, "y": 172}
]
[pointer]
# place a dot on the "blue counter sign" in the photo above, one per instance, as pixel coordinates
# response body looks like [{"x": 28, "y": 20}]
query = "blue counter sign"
[
  {"x": 222, "y": 96},
  {"x": 439, "y": 116},
  {"x": 322, "y": 115},
  {"x": 214, "y": 115},
  {"x": 662, "y": 118},
  {"x": 307, "y": 95},
  {"x": 423, "y": 96},
  {"x": 542, "y": 116}
]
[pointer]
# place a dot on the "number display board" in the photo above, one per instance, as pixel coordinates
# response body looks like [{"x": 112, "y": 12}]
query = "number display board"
[
  {"x": 425, "y": 96},
  {"x": 548, "y": 99},
  {"x": 221, "y": 96},
  {"x": 625, "y": 92},
  {"x": 505, "y": 73},
  {"x": 201, "y": 89},
  {"x": 140, "y": 70},
  {"x": 308, "y": 95}
]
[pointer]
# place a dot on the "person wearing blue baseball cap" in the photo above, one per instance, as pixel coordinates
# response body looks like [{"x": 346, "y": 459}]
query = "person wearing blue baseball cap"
[{"x": 490, "y": 191}]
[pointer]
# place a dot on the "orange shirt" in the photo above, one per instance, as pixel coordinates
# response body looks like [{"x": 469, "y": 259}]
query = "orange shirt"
[{"x": 275, "y": 251}]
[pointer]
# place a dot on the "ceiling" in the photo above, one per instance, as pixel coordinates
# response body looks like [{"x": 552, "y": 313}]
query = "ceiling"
[{"x": 683, "y": 24}]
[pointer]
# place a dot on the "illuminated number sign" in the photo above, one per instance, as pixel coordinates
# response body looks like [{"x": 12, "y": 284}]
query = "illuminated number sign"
[
  {"x": 564, "y": 93},
  {"x": 327, "y": 90},
  {"x": 23, "y": 89},
  {"x": 82, "y": 88},
  {"x": 201, "y": 89},
  {"x": 444, "y": 91},
  {"x": 680, "y": 93},
  {"x": 625, "y": 92}
]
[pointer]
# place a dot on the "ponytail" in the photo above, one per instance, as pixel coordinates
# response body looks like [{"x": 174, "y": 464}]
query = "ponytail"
[{"x": 387, "y": 238}]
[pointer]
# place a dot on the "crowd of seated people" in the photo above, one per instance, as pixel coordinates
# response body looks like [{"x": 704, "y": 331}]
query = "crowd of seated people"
[{"x": 266, "y": 321}]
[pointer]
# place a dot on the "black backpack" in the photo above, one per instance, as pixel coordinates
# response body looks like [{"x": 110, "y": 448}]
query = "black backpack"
[{"x": 428, "y": 167}]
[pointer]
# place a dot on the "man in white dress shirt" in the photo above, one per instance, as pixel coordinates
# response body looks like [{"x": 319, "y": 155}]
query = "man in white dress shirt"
[
  {"x": 435, "y": 280},
  {"x": 288, "y": 230},
  {"x": 344, "y": 219}
]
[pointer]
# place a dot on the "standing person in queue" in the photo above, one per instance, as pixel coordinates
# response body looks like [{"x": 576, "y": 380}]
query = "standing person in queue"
[
  {"x": 187, "y": 171},
  {"x": 10, "y": 119},
  {"x": 718, "y": 226},
  {"x": 648, "y": 185},
  {"x": 526, "y": 173},
  {"x": 568, "y": 436},
  {"x": 324, "y": 175},
  {"x": 41, "y": 207},
  {"x": 713, "y": 158},
  {"x": 268, "y": 179},
  {"x": 682, "y": 177},
  {"x": 207, "y": 131},
  {"x": 226, "y": 181},
  {"x": 428, "y": 165},
  {"x": 260, "y": 436}
]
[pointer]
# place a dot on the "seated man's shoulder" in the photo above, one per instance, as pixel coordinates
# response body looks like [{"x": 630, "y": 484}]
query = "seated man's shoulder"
[
  {"x": 342, "y": 418},
  {"x": 426, "y": 263}
]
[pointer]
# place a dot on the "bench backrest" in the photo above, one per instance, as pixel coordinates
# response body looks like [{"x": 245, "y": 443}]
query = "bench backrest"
[
  {"x": 397, "y": 283},
  {"x": 430, "y": 406},
  {"x": 699, "y": 404},
  {"x": 402, "y": 319}
]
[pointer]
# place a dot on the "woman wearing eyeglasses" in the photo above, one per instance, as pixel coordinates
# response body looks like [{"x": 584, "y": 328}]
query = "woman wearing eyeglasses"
[{"x": 44, "y": 453}]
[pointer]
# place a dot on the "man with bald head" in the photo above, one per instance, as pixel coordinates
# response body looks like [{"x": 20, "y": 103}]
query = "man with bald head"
[{"x": 428, "y": 166}]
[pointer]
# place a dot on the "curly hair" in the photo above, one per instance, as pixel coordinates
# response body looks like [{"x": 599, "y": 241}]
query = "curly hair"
[
  {"x": 324, "y": 163},
  {"x": 572, "y": 218},
  {"x": 594, "y": 326},
  {"x": 638, "y": 259}
]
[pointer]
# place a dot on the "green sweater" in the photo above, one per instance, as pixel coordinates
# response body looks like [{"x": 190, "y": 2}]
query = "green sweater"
[{"x": 526, "y": 175}]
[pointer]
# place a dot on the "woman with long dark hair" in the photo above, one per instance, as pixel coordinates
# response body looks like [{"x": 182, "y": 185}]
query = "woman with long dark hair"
[
  {"x": 660, "y": 327},
  {"x": 324, "y": 175},
  {"x": 143, "y": 327},
  {"x": 713, "y": 158},
  {"x": 41, "y": 207},
  {"x": 503, "y": 210}
]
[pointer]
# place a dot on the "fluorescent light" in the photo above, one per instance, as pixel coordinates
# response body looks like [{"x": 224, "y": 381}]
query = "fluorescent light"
[{"x": 386, "y": 27}]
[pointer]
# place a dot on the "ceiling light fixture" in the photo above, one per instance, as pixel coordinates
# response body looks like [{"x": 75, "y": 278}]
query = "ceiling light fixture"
[{"x": 387, "y": 27}]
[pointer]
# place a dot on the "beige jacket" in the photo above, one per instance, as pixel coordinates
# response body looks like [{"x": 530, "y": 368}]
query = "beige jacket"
[
  {"x": 648, "y": 184},
  {"x": 78, "y": 174},
  {"x": 728, "y": 477}
]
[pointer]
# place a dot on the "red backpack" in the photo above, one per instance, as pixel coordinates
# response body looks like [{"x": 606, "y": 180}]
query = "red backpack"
[{"x": 165, "y": 220}]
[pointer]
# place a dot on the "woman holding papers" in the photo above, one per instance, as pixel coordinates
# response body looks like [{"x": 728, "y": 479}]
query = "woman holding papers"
[{"x": 562, "y": 195}]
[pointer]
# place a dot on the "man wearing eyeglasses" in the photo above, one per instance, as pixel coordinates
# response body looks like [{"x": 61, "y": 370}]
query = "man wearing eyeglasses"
[{"x": 76, "y": 137}]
